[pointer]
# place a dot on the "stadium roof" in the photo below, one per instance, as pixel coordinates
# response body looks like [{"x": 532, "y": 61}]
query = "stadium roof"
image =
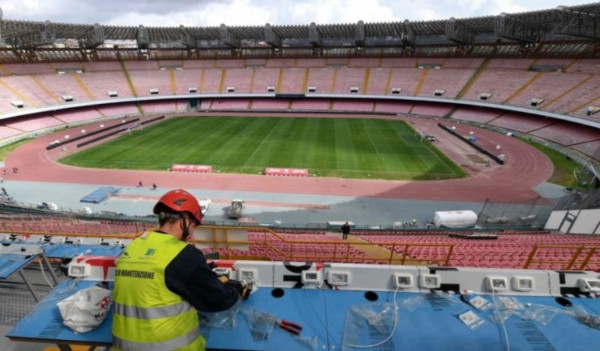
[{"x": 572, "y": 31}]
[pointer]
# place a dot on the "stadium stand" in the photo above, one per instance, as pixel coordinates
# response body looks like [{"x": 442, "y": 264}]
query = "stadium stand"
[
  {"x": 292, "y": 80},
  {"x": 32, "y": 93},
  {"x": 449, "y": 80},
  {"x": 104, "y": 80},
  {"x": 30, "y": 124},
  {"x": 6, "y": 132},
  {"x": 122, "y": 109},
  {"x": 314, "y": 105},
  {"x": 475, "y": 114},
  {"x": 240, "y": 78},
  {"x": 101, "y": 66},
  {"x": 407, "y": 79},
  {"x": 230, "y": 104},
  {"x": 28, "y": 69},
  {"x": 547, "y": 86},
  {"x": 397, "y": 107},
  {"x": 352, "y": 105},
  {"x": 567, "y": 134},
  {"x": 186, "y": 78},
  {"x": 65, "y": 84},
  {"x": 436, "y": 110},
  {"x": 378, "y": 81},
  {"x": 145, "y": 81},
  {"x": 77, "y": 115},
  {"x": 270, "y": 104},
  {"x": 363, "y": 62},
  {"x": 170, "y": 106},
  {"x": 263, "y": 78},
  {"x": 481, "y": 82},
  {"x": 520, "y": 122},
  {"x": 348, "y": 78},
  {"x": 210, "y": 82}
]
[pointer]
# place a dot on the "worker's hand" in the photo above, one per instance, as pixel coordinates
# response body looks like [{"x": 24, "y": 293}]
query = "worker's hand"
[
  {"x": 244, "y": 290},
  {"x": 212, "y": 265}
]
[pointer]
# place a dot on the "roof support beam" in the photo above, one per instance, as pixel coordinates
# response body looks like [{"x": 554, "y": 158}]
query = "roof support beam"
[
  {"x": 228, "y": 38},
  {"x": 92, "y": 38},
  {"x": 314, "y": 37},
  {"x": 29, "y": 40},
  {"x": 359, "y": 35},
  {"x": 458, "y": 32},
  {"x": 143, "y": 39},
  {"x": 188, "y": 40},
  {"x": 271, "y": 37},
  {"x": 577, "y": 24},
  {"x": 510, "y": 28},
  {"x": 408, "y": 36}
]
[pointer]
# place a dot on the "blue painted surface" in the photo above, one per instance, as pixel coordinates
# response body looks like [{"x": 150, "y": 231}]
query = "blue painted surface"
[
  {"x": 72, "y": 250},
  {"x": 425, "y": 322},
  {"x": 99, "y": 195},
  {"x": 11, "y": 263},
  {"x": 44, "y": 322}
]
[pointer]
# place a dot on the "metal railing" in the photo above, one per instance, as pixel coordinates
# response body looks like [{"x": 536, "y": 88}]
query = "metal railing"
[
  {"x": 565, "y": 257},
  {"x": 268, "y": 244}
]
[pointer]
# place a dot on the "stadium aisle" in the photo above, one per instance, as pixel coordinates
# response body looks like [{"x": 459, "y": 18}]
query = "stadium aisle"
[{"x": 264, "y": 208}]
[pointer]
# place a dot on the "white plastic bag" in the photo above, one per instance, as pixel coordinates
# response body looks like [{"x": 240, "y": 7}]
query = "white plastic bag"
[{"x": 86, "y": 309}]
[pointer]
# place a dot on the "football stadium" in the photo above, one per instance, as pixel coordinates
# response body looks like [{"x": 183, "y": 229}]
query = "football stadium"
[{"x": 463, "y": 153}]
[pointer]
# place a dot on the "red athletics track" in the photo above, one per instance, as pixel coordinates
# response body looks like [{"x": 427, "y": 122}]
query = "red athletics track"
[{"x": 525, "y": 167}]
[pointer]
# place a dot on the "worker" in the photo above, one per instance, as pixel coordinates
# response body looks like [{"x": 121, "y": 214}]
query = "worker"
[
  {"x": 345, "y": 230},
  {"x": 161, "y": 282}
]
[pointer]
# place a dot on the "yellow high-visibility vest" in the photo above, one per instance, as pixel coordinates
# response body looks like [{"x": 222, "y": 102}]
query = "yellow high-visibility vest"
[{"x": 147, "y": 315}]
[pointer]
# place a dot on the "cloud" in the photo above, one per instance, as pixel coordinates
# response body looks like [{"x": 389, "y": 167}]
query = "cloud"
[{"x": 162, "y": 13}]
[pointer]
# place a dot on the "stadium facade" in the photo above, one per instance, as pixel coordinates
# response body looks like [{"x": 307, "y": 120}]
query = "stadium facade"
[{"x": 562, "y": 32}]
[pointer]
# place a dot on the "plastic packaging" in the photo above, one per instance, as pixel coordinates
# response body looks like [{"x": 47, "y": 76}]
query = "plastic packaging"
[
  {"x": 592, "y": 321},
  {"x": 475, "y": 300},
  {"x": 469, "y": 317},
  {"x": 222, "y": 320},
  {"x": 504, "y": 308},
  {"x": 378, "y": 319},
  {"x": 539, "y": 313},
  {"x": 310, "y": 342},
  {"x": 509, "y": 303},
  {"x": 86, "y": 309},
  {"x": 411, "y": 303},
  {"x": 261, "y": 323}
]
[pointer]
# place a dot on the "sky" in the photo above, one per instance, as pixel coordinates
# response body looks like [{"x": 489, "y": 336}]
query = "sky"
[{"x": 210, "y": 13}]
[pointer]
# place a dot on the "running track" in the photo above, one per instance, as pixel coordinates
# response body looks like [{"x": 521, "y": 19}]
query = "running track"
[{"x": 525, "y": 167}]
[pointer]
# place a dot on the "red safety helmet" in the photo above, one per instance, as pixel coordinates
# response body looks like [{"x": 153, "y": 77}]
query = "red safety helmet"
[{"x": 180, "y": 201}]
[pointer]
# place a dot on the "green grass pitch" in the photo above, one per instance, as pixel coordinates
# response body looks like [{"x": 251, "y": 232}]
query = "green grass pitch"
[{"x": 327, "y": 147}]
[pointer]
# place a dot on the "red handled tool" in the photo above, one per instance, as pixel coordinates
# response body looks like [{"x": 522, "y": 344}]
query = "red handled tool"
[{"x": 289, "y": 326}]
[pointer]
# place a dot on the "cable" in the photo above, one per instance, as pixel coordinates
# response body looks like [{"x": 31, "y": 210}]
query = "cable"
[
  {"x": 501, "y": 320},
  {"x": 391, "y": 333},
  {"x": 44, "y": 274}
]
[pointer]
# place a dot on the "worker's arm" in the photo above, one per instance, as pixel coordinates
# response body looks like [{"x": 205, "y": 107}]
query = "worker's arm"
[{"x": 189, "y": 276}]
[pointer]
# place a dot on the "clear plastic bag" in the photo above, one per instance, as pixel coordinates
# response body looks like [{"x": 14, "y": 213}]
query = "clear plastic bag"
[
  {"x": 539, "y": 313},
  {"x": 312, "y": 342},
  {"x": 504, "y": 307},
  {"x": 376, "y": 318},
  {"x": 477, "y": 301},
  {"x": 410, "y": 304},
  {"x": 592, "y": 321},
  {"x": 222, "y": 320},
  {"x": 261, "y": 323},
  {"x": 469, "y": 317},
  {"x": 509, "y": 303}
]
